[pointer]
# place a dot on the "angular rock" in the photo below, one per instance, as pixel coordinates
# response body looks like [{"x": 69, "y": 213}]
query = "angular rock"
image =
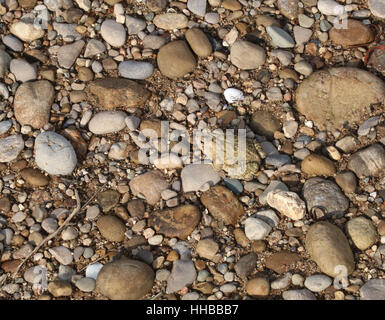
[
  {"x": 67, "y": 54},
  {"x": 25, "y": 29},
  {"x": 287, "y": 203},
  {"x": 183, "y": 273},
  {"x": 246, "y": 265}
]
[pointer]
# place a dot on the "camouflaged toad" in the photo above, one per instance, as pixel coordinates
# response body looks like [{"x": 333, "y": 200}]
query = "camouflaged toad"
[{"x": 224, "y": 156}]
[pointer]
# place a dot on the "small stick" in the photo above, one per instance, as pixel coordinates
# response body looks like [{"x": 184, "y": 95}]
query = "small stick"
[{"x": 52, "y": 235}]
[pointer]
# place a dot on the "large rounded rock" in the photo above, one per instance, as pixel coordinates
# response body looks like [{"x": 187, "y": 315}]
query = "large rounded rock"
[
  {"x": 54, "y": 154},
  {"x": 329, "y": 248},
  {"x": 362, "y": 232},
  {"x": 175, "y": 59},
  {"x": 247, "y": 55},
  {"x": 33, "y": 102},
  {"x": 324, "y": 194},
  {"x": 337, "y": 96},
  {"x": 125, "y": 279}
]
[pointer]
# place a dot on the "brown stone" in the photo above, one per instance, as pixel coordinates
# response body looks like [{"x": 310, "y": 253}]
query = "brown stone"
[
  {"x": 282, "y": 261},
  {"x": 176, "y": 222},
  {"x": 108, "y": 199},
  {"x": 111, "y": 228},
  {"x": 10, "y": 266},
  {"x": 232, "y": 5},
  {"x": 136, "y": 208},
  {"x": 5, "y": 204},
  {"x": 150, "y": 185},
  {"x": 198, "y": 42},
  {"x": 175, "y": 59},
  {"x": 60, "y": 288},
  {"x": 27, "y": 4},
  {"x": 222, "y": 204},
  {"x": 125, "y": 279},
  {"x": 356, "y": 33},
  {"x": 34, "y": 177},
  {"x": 263, "y": 123},
  {"x": 258, "y": 287},
  {"x": 110, "y": 93},
  {"x": 381, "y": 228},
  {"x": 240, "y": 238},
  {"x": 317, "y": 165}
]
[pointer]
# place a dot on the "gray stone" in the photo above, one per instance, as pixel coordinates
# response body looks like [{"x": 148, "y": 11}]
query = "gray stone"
[
  {"x": 153, "y": 42},
  {"x": 377, "y": 8},
  {"x": 318, "y": 282},
  {"x": 305, "y": 21},
  {"x": 107, "y": 122},
  {"x": 362, "y": 232},
  {"x": 256, "y": 229},
  {"x": 137, "y": 70},
  {"x": 22, "y": 70},
  {"x": 368, "y": 162},
  {"x": 197, "y": 176},
  {"x": 302, "y": 294},
  {"x": 183, "y": 273},
  {"x": 5, "y": 126},
  {"x": 135, "y": 25},
  {"x": 68, "y": 54},
  {"x": 49, "y": 225},
  {"x": 324, "y": 194},
  {"x": 170, "y": 21},
  {"x": 62, "y": 254},
  {"x": 197, "y": 7},
  {"x": 365, "y": 127},
  {"x": 13, "y": 43},
  {"x": 93, "y": 48},
  {"x": 269, "y": 216},
  {"x": 303, "y": 67},
  {"x": 274, "y": 185},
  {"x": 86, "y": 284},
  {"x": 374, "y": 289},
  {"x": 279, "y": 37},
  {"x": 10, "y": 147},
  {"x": 54, "y": 154},
  {"x": 288, "y": 8},
  {"x": 283, "y": 56},
  {"x": 67, "y": 30},
  {"x": 113, "y": 33},
  {"x": 5, "y": 59},
  {"x": 246, "y": 265},
  {"x": 247, "y": 55},
  {"x": 302, "y": 35}
]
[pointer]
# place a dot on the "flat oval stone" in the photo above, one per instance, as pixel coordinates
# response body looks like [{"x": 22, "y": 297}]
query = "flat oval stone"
[
  {"x": 336, "y": 96},
  {"x": 170, "y": 21},
  {"x": 34, "y": 177},
  {"x": 329, "y": 248},
  {"x": 137, "y": 70},
  {"x": 113, "y": 33},
  {"x": 176, "y": 222},
  {"x": 199, "y": 42},
  {"x": 356, "y": 33},
  {"x": 246, "y": 55},
  {"x": 125, "y": 279},
  {"x": 107, "y": 122}
]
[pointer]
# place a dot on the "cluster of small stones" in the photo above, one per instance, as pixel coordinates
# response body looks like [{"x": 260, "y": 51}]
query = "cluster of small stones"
[{"x": 79, "y": 80}]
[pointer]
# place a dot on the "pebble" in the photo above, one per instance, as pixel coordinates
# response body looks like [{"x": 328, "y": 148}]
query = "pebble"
[
  {"x": 22, "y": 70},
  {"x": 377, "y": 8},
  {"x": 136, "y": 70},
  {"x": 10, "y": 147},
  {"x": 302, "y": 294},
  {"x": 279, "y": 37},
  {"x": 197, "y": 176},
  {"x": 183, "y": 273},
  {"x": 330, "y": 8},
  {"x": 13, "y": 43},
  {"x": 25, "y": 30},
  {"x": 256, "y": 229},
  {"x": 317, "y": 282},
  {"x": 54, "y": 154},
  {"x": 175, "y": 59},
  {"x": 125, "y": 279},
  {"x": 369, "y": 161},
  {"x": 135, "y": 25},
  {"x": 107, "y": 122},
  {"x": 67, "y": 54},
  {"x": 33, "y": 101},
  {"x": 86, "y": 284},
  {"x": 199, "y": 42},
  {"x": 111, "y": 228},
  {"x": 153, "y": 42},
  {"x": 170, "y": 21},
  {"x": 274, "y": 185},
  {"x": 245, "y": 265},
  {"x": 362, "y": 232},
  {"x": 287, "y": 203},
  {"x": 367, "y": 125},
  {"x": 113, "y": 33},
  {"x": 62, "y": 254},
  {"x": 329, "y": 248},
  {"x": 281, "y": 283},
  {"x": 258, "y": 287},
  {"x": 233, "y": 95},
  {"x": 317, "y": 165},
  {"x": 5, "y": 126},
  {"x": 303, "y": 67},
  {"x": 373, "y": 289},
  {"x": 93, "y": 270},
  {"x": 60, "y": 288},
  {"x": 246, "y": 55},
  {"x": 5, "y": 59},
  {"x": 207, "y": 248},
  {"x": 93, "y": 48},
  {"x": 197, "y": 7}
]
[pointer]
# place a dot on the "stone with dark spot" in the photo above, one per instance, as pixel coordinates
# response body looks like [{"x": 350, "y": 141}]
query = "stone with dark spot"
[{"x": 176, "y": 222}]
